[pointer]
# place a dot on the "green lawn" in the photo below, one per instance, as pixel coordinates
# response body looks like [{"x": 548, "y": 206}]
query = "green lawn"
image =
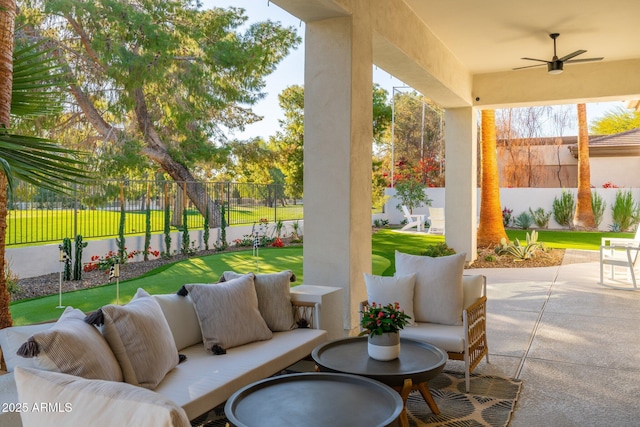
[{"x": 169, "y": 278}]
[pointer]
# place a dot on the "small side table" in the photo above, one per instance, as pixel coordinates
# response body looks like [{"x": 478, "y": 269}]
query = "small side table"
[
  {"x": 314, "y": 400},
  {"x": 418, "y": 363}
]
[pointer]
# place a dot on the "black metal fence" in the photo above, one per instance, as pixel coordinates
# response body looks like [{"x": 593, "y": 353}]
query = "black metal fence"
[{"x": 39, "y": 216}]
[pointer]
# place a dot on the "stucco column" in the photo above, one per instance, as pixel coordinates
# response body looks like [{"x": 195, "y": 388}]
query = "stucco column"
[
  {"x": 461, "y": 199},
  {"x": 337, "y": 157}
]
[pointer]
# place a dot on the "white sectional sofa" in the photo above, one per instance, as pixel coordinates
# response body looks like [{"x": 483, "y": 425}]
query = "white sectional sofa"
[{"x": 191, "y": 388}]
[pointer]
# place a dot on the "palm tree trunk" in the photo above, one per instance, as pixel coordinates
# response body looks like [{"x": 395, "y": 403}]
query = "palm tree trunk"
[
  {"x": 7, "y": 22},
  {"x": 491, "y": 228},
  {"x": 583, "y": 218}
]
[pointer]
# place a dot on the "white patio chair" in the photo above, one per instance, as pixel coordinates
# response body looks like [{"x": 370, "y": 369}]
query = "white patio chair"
[
  {"x": 620, "y": 252},
  {"x": 436, "y": 219},
  {"x": 413, "y": 220}
]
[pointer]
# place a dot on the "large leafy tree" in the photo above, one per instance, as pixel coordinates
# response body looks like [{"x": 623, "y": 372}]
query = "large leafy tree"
[
  {"x": 491, "y": 228},
  {"x": 289, "y": 141},
  {"x": 163, "y": 78},
  {"x": 615, "y": 121},
  {"x": 583, "y": 217},
  {"x": 418, "y": 137}
]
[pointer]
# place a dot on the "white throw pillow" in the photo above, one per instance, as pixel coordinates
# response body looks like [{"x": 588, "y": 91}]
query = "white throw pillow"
[
  {"x": 54, "y": 399},
  {"x": 182, "y": 319},
  {"x": 71, "y": 346},
  {"x": 12, "y": 338},
  {"x": 384, "y": 289},
  {"x": 438, "y": 295}
]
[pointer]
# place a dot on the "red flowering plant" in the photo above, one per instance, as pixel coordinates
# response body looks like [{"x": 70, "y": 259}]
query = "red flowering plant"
[{"x": 379, "y": 319}]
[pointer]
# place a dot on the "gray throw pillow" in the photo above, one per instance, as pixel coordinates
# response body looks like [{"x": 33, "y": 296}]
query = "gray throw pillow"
[
  {"x": 274, "y": 298},
  {"x": 438, "y": 295},
  {"x": 228, "y": 314}
]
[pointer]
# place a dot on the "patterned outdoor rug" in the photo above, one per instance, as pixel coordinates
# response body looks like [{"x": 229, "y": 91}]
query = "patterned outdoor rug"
[{"x": 490, "y": 403}]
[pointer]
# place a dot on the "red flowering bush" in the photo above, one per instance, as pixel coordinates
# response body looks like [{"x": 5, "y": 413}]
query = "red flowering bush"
[{"x": 379, "y": 319}]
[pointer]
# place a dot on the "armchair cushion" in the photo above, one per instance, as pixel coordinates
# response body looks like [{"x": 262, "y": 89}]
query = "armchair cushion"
[
  {"x": 384, "y": 290},
  {"x": 473, "y": 286},
  {"x": 438, "y": 293}
]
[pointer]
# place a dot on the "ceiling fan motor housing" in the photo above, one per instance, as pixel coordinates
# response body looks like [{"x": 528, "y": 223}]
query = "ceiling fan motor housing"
[{"x": 555, "y": 67}]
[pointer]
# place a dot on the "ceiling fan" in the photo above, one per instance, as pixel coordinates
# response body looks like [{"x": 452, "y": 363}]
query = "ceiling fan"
[{"x": 556, "y": 64}]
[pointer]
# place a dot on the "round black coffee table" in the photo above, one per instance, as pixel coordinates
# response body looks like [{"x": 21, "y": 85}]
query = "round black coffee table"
[
  {"x": 314, "y": 399},
  {"x": 418, "y": 363}
]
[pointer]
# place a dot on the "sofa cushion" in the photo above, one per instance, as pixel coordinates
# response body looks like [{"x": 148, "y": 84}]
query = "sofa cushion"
[
  {"x": 12, "y": 338},
  {"x": 228, "y": 313},
  {"x": 141, "y": 339},
  {"x": 384, "y": 289},
  {"x": 274, "y": 298},
  {"x": 438, "y": 294},
  {"x": 182, "y": 319},
  {"x": 71, "y": 346},
  {"x": 82, "y": 402},
  {"x": 203, "y": 381},
  {"x": 8, "y": 396}
]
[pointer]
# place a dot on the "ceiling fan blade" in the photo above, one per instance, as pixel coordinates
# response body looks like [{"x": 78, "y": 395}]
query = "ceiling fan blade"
[
  {"x": 585, "y": 60},
  {"x": 534, "y": 59},
  {"x": 530, "y": 66},
  {"x": 571, "y": 55}
]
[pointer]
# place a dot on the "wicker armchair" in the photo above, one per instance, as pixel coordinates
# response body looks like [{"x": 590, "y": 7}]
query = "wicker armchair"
[{"x": 467, "y": 342}]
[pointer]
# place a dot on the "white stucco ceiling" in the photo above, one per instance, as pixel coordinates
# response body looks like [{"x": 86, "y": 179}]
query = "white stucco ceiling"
[
  {"x": 492, "y": 35},
  {"x": 463, "y": 51}
]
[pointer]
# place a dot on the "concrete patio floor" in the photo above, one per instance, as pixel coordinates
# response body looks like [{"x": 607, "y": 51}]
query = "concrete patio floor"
[{"x": 574, "y": 343}]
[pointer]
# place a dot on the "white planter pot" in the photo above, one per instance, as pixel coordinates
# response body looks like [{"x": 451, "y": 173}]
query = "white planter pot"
[{"x": 384, "y": 347}]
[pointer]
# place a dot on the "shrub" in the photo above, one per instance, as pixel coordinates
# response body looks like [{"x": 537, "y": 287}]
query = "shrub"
[
  {"x": 597, "y": 206},
  {"x": 540, "y": 217},
  {"x": 440, "y": 249},
  {"x": 506, "y": 216},
  {"x": 11, "y": 279},
  {"x": 524, "y": 221},
  {"x": 564, "y": 208},
  {"x": 411, "y": 194},
  {"x": 519, "y": 252},
  {"x": 625, "y": 211}
]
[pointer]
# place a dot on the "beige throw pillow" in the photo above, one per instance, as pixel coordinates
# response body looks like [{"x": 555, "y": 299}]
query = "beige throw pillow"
[
  {"x": 76, "y": 402},
  {"x": 384, "y": 290},
  {"x": 182, "y": 319},
  {"x": 228, "y": 313},
  {"x": 141, "y": 339},
  {"x": 274, "y": 298},
  {"x": 73, "y": 347},
  {"x": 438, "y": 295}
]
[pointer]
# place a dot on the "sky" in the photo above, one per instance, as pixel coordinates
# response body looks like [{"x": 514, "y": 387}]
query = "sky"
[{"x": 291, "y": 72}]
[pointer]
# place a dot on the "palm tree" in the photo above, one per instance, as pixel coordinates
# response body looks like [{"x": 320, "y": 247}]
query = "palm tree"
[
  {"x": 491, "y": 228},
  {"x": 583, "y": 218},
  {"x": 7, "y": 22},
  {"x": 26, "y": 81}
]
